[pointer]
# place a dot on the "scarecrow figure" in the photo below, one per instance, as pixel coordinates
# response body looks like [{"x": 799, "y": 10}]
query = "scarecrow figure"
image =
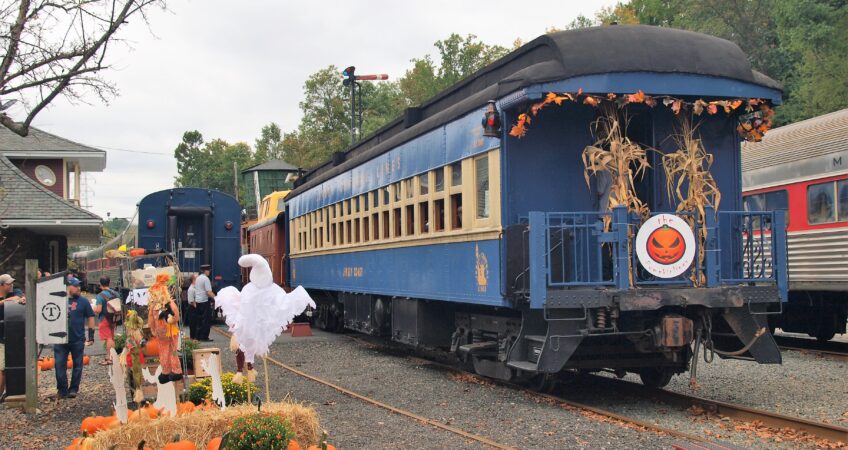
[
  {"x": 163, "y": 317},
  {"x": 260, "y": 312},
  {"x": 134, "y": 325}
]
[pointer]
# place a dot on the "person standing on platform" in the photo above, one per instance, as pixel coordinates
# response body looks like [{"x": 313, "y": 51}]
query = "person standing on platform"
[
  {"x": 106, "y": 322},
  {"x": 191, "y": 311},
  {"x": 8, "y": 293},
  {"x": 203, "y": 296},
  {"x": 80, "y": 314}
]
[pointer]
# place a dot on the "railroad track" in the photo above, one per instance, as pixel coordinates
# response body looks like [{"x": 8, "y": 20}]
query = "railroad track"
[
  {"x": 833, "y": 433},
  {"x": 833, "y": 350},
  {"x": 818, "y": 430}
]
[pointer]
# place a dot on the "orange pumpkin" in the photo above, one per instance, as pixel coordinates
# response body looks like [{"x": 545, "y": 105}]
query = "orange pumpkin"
[
  {"x": 151, "y": 348},
  {"x": 666, "y": 245},
  {"x": 90, "y": 425},
  {"x": 293, "y": 445},
  {"x": 109, "y": 422},
  {"x": 177, "y": 444},
  {"x": 85, "y": 360},
  {"x": 214, "y": 444},
  {"x": 185, "y": 408},
  {"x": 48, "y": 363},
  {"x": 318, "y": 447}
]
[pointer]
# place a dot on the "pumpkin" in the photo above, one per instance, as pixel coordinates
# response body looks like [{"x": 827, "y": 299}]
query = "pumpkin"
[
  {"x": 109, "y": 422},
  {"x": 214, "y": 444},
  {"x": 90, "y": 425},
  {"x": 293, "y": 445},
  {"x": 48, "y": 364},
  {"x": 666, "y": 245},
  {"x": 141, "y": 446},
  {"x": 177, "y": 444},
  {"x": 318, "y": 447},
  {"x": 85, "y": 360},
  {"x": 185, "y": 408},
  {"x": 151, "y": 348}
]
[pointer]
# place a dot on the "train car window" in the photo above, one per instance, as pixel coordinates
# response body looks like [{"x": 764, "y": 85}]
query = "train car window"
[
  {"x": 348, "y": 227},
  {"x": 356, "y": 204},
  {"x": 375, "y": 199},
  {"x": 385, "y": 224},
  {"x": 410, "y": 220},
  {"x": 355, "y": 231},
  {"x": 456, "y": 211},
  {"x": 424, "y": 184},
  {"x": 281, "y": 204},
  {"x": 365, "y": 202},
  {"x": 366, "y": 229},
  {"x": 440, "y": 179},
  {"x": 386, "y": 197},
  {"x": 398, "y": 223},
  {"x": 424, "y": 217},
  {"x": 820, "y": 204},
  {"x": 333, "y": 233},
  {"x": 347, "y": 210},
  {"x": 842, "y": 190},
  {"x": 376, "y": 220},
  {"x": 456, "y": 173},
  {"x": 481, "y": 175},
  {"x": 396, "y": 188},
  {"x": 410, "y": 187},
  {"x": 439, "y": 214}
]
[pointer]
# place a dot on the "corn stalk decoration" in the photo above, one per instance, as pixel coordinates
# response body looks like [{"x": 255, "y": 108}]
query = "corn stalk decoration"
[
  {"x": 618, "y": 156},
  {"x": 690, "y": 182}
]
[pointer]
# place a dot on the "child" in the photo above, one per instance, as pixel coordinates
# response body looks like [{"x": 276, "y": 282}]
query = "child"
[{"x": 163, "y": 317}]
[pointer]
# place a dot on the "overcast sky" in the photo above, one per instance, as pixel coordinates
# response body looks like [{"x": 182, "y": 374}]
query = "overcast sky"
[{"x": 227, "y": 67}]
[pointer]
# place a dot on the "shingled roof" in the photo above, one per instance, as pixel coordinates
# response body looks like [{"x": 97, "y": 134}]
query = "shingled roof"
[
  {"x": 26, "y": 204},
  {"x": 40, "y": 143},
  {"x": 274, "y": 164}
]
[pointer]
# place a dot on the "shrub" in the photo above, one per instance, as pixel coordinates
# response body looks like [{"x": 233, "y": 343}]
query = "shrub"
[
  {"x": 189, "y": 346},
  {"x": 260, "y": 431},
  {"x": 234, "y": 393}
]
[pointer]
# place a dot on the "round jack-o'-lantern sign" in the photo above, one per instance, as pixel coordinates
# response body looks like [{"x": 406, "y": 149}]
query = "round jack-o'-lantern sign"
[{"x": 665, "y": 246}]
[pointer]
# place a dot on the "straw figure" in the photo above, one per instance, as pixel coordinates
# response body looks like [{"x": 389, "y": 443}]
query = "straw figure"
[
  {"x": 163, "y": 317},
  {"x": 261, "y": 311},
  {"x": 134, "y": 324}
]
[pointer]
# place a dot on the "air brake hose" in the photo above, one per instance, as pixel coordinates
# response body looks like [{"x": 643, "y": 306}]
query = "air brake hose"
[{"x": 744, "y": 349}]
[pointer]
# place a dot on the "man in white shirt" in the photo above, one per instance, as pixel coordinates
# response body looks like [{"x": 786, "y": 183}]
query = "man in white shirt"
[
  {"x": 202, "y": 296},
  {"x": 192, "y": 310}
]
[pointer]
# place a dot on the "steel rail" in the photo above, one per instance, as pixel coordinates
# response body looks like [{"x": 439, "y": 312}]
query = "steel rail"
[
  {"x": 377, "y": 403},
  {"x": 815, "y": 351},
  {"x": 820, "y": 430}
]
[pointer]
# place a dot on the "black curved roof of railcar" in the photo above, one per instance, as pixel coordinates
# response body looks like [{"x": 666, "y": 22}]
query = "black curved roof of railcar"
[{"x": 559, "y": 56}]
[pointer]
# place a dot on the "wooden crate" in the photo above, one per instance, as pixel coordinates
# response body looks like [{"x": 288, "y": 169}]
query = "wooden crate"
[{"x": 203, "y": 354}]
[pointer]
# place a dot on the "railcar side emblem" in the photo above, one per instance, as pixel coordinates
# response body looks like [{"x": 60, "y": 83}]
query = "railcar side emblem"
[
  {"x": 665, "y": 246},
  {"x": 481, "y": 269}
]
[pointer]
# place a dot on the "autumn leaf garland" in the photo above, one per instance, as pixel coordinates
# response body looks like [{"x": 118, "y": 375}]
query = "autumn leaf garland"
[{"x": 756, "y": 121}]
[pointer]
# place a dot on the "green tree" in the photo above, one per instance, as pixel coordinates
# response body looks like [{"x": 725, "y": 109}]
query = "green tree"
[
  {"x": 209, "y": 165},
  {"x": 269, "y": 145}
]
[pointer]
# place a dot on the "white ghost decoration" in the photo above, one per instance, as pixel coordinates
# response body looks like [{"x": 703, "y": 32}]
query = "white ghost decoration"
[
  {"x": 262, "y": 310},
  {"x": 166, "y": 394},
  {"x": 212, "y": 366},
  {"x": 117, "y": 372}
]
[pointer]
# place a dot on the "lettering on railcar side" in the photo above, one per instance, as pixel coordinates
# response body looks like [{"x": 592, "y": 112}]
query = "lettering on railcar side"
[
  {"x": 481, "y": 269},
  {"x": 353, "y": 272}
]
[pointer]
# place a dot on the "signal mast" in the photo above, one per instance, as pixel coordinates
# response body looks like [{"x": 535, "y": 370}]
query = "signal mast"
[{"x": 350, "y": 80}]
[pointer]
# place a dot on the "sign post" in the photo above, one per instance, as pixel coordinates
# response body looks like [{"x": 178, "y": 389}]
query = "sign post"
[{"x": 31, "y": 352}]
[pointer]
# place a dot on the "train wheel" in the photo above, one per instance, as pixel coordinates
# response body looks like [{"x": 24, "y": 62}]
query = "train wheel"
[
  {"x": 655, "y": 377},
  {"x": 824, "y": 335},
  {"x": 543, "y": 382}
]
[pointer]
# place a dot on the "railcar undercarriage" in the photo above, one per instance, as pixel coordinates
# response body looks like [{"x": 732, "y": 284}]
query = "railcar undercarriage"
[{"x": 656, "y": 337}]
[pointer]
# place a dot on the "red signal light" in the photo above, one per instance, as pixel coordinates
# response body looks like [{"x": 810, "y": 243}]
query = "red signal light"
[
  {"x": 150, "y": 224},
  {"x": 228, "y": 225}
]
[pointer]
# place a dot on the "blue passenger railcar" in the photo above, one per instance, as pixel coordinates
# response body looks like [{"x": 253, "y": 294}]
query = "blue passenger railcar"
[
  {"x": 199, "y": 226},
  {"x": 435, "y": 234}
]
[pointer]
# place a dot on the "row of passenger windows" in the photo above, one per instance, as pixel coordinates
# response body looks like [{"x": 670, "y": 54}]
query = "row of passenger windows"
[
  {"x": 431, "y": 202},
  {"x": 826, "y": 202}
]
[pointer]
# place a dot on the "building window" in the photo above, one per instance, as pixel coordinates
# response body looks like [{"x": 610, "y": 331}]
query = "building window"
[
  {"x": 424, "y": 183},
  {"x": 440, "y": 179},
  {"x": 820, "y": 204},
  {"x": 481, "y": 172},
  {"x": 456, "y": 211},
  {"x": 456, "y": 173}
]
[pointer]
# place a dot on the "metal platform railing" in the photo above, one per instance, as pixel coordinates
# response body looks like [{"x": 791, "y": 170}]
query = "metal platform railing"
[{"x": 576, "y": 250}]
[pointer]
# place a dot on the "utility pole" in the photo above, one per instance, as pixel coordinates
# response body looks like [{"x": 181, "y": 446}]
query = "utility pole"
[
  {"x": 350, "y": 80},
  {"x": 235, "y": 180}
]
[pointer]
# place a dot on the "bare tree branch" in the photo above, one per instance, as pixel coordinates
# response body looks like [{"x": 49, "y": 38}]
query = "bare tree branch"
[{"x": 59, "y": 48}]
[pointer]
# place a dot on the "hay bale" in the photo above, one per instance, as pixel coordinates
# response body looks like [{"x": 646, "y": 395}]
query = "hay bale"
[{"x": 202, "y": 426}]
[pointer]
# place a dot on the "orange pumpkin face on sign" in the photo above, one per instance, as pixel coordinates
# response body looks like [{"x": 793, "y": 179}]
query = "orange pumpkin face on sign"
[{"x": 666, "y": 245}]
